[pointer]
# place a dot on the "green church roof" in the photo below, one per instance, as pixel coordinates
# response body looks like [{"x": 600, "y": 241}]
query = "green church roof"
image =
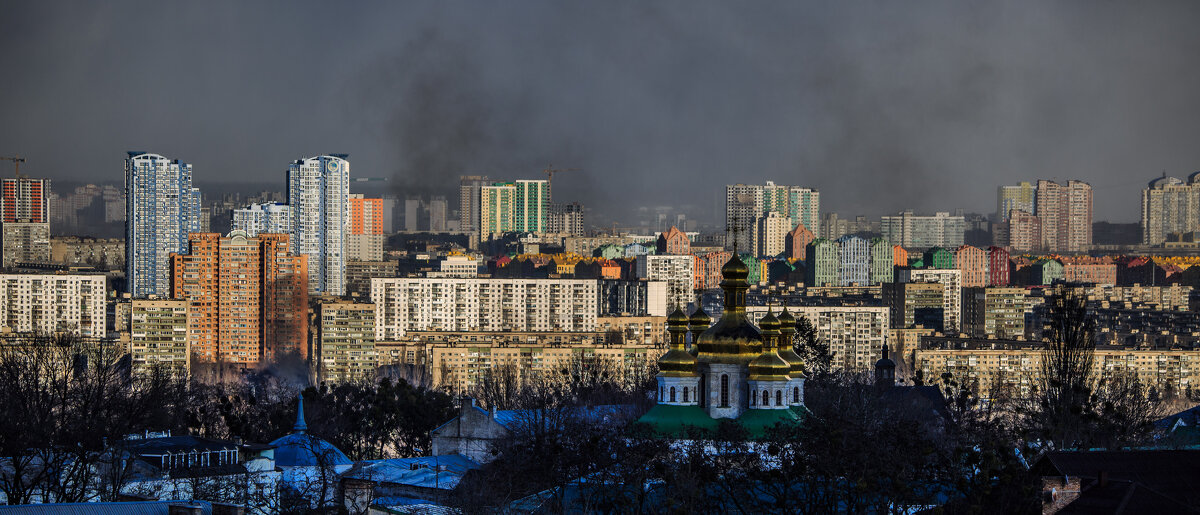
[{"x": 670, "y": 420}]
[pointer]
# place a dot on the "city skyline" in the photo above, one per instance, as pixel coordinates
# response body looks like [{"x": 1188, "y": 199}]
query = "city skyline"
[{"x": 683, "y": 97}]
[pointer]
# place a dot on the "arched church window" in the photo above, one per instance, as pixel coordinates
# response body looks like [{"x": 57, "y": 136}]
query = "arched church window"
[
  {"x": 685, "y": 394},
  {"x": 672, "y": 394},
  {"x": 779, "y": 397},
  {"x": 796, "y": 394},
  {"x": 766, "y": 398}
]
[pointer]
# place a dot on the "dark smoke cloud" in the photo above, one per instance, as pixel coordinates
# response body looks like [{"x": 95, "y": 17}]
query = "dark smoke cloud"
[{"x": 882, "y": 105}]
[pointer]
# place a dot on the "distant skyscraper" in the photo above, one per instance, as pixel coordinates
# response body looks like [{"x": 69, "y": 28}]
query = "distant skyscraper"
[
  {"x": 263, "y": 218},
  {"x": 1066, "y": 215},
  {"x": 922, "y": 232},
  {"x": 1009, "y": 198},
  {"x": 437, "y": 214},
  {"x": 161, "y": 209},
  {"x": 319, "y": 196},
  {"x": 744, "y": 204},
  {"x": 365, "y": 238},
  {"x": 1170, "y": 206},
  {"x": 1024, "y": 231},
  {"x": 412, "y": 214},
  {"x": 770, "y": 234},
  {"x": 519, "y": 206},
  {"x": 469, "y": 187},
  {"x": 25, "y": 200},
  {"x": 566, "y": 219}
]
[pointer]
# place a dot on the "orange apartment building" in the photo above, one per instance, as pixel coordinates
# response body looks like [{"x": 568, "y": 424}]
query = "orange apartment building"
[
  {"x": 248, "y": 296},
  {"x": 365, "y": 239},
  {"x": 973, "y": 261}
]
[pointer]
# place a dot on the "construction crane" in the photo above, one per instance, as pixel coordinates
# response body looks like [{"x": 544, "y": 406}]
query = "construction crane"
[
  {"x": 550, "y": 171},
  {"x": 17, "y": 160}
]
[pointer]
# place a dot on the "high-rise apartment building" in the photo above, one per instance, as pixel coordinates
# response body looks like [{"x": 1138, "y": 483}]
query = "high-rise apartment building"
[
  {"x": 744, "y": 204},
  {"x": 408, "y": 304},
  {"x": 248, "y": 296},
  {"x": 53, "y": 303},
  {"x": 676, "y": 271},
  {"x": 24, "y": 242},
  {"x": 770, "y": 234},
  {"x": 1008, "y": 198},
  {"x": 996, "y": 312},
  {"x": 824, "y": 264},
  {"x": 916, "y": 304},
  {"x": 951, "y": 281},
  {"x": 1024, "y": 232},
  {"x": 855, "y": 334},
  {"x": 854, "y": 261},
  {"x": 1170, "y": 206},
  {"x": 469, "y": 187},
  {"x": 161, "y": 209},
  {"x": 155, "y": 333},
  {"x": 973, "y": 262},
  {"x": 1066, "y": 215},
  {"x": 999, "y": 267},
  {"x": 922, "y": 232},
  {"x": 342, "y": 345},
  {"x": 518, "y": 206},
  {"x": 319, "y": 196},
  {"x": 364, "y": 240},
  {"x": 25, "y": 199},
  {"x": 272, "y": 217},
  {"x": 565, "y": 219},
  {"x": 882, "y": 257},
  {"x": 437, "y": 214},
  {"x": 796, "y": 245}
]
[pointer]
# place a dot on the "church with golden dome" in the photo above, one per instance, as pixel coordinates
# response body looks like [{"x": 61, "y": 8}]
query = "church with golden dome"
[{"x": 732, "y": 370}]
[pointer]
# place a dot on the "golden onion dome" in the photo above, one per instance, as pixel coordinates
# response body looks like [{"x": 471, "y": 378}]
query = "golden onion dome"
[
  {"x": 677, "y": 362},
  {"x": 787, "y": 351},
  {"x": 735, "y": 268},
  {"x": 699, "y": 322},
  {"x": 733, "y": 339},
  {"x": 768, "y": 366}
]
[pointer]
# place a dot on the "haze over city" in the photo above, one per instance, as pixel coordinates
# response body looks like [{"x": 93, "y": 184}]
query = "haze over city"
[{"x": 881, "y": 105}]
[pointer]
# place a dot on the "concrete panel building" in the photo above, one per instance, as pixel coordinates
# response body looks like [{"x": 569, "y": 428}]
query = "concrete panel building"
[
  {"x": 854, "y": 261},
  {"x": 675, "y": 271},
  {"x": 342, "y": 341},
  {"x": 24, "y": 242},
  {"x": 951, "y": 281},
  {"x": 922, "y": 232},
  {"x": 47, "y": 304},
  {"x": 447, "y": 304},
  {"x": 997, "y": 312}
]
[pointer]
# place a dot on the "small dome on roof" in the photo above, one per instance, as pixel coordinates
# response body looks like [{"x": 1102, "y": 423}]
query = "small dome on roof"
[{"x": 301, "y": 449}]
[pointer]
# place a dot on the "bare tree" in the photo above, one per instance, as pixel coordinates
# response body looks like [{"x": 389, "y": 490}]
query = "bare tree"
[{"x": 1067, "y": 381}]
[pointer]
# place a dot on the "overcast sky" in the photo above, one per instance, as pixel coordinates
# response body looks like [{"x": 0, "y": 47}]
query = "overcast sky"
[{"x": 881, "y": 105}]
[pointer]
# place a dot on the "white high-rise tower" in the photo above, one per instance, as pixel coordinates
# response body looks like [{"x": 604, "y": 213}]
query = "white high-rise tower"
[
  {"x": 319, "y": 198},
  {"x": 161, "y": 208}
]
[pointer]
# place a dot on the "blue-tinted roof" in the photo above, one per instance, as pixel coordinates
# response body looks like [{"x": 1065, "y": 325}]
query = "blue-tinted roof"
[
  {"x": 302, "y": 450},
  {"x": 419, "y": 472}
]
